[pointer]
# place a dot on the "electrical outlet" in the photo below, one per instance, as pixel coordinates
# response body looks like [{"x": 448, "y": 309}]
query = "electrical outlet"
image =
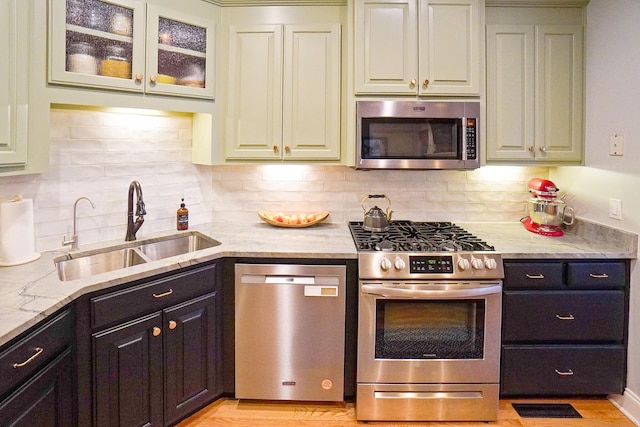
[
  {"x": 616, "y": 144},
  {"x": 192, "y": 196},
  {"x": 615, "y": 208}
]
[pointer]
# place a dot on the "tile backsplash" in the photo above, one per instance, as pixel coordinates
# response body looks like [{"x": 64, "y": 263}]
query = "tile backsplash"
[{"x": 98, "y": 153}]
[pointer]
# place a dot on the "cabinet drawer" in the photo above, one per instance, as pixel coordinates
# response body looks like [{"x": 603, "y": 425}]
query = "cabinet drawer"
[
  {"x": 556, "y": 370},
  {"x": 596, "y": 274},
  {"x": 148, "y": 297},
  {"x": 533, "y": 274},
  {"x": 563, "y": 316},
  {"x": 35, "y": 350}
]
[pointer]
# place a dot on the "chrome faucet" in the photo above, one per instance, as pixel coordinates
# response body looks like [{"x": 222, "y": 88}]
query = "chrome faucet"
[
  {"x": 73, "y": 241},
  {"x": 133, "y": 227}
]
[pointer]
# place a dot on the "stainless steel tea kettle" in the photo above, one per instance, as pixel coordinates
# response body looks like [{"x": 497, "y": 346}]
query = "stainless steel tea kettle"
[{"x": 375, "y": 219}]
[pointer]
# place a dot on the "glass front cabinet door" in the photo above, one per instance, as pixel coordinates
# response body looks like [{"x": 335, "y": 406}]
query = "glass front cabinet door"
[{"x": 133, "y": 46}]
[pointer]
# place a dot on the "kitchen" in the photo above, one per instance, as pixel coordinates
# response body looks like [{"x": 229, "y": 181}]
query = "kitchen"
[{"x": 89, "y": 147}]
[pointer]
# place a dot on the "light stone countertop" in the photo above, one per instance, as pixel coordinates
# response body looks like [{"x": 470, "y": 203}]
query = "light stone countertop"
[{"x": 32, "y": 291}]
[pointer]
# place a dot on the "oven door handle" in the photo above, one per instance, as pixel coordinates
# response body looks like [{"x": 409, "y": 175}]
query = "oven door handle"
[{"x": 431, "y": 293}]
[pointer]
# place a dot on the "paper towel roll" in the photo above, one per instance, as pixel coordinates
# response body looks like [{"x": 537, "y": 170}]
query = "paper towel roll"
[{"x": 17, "y": 241}]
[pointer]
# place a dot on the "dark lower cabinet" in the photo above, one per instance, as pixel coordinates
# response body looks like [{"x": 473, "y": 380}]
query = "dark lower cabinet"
[
  {"x": 564, "y": 327},
  {"x": 46, "y": 400},
  {"x": 155, "y": 370}
]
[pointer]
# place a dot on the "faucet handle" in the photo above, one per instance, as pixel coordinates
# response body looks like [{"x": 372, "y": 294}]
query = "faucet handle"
[{"x": 140, "y": 210}]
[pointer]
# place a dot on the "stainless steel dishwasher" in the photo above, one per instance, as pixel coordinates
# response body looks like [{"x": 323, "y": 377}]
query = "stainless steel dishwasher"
[{"x": 289, "y": 332}]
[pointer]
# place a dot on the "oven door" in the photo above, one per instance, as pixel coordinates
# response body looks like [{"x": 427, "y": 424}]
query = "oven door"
[{"x": 429, "y": 332}]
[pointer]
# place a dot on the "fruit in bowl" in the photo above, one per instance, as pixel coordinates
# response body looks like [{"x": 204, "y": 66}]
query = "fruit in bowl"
[{"x": 297, "y": 219}]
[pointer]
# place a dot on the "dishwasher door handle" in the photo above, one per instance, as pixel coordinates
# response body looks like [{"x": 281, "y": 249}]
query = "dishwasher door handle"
[{"x": 293, "y": 280}]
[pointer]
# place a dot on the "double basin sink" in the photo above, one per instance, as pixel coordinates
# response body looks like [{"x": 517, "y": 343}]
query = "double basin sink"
[{"x": 82, "y": 265}]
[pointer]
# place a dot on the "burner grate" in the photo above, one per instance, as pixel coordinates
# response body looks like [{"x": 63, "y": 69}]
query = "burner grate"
[{"x": 408, "y": 236}]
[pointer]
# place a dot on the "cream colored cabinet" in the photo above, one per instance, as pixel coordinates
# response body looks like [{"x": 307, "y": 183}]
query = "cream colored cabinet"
[
  {"x": 14, "y": 24},
  {"x": 535, "y": 93},
  {"x": 283, "y": 92},
  {"x": 418, "y": 47},
  {"x": 133, "y": 46}
]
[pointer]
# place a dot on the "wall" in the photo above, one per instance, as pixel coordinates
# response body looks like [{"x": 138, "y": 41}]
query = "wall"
[
  {"x": 613, "y": 103},
  {"x": 98, "y": 153}
]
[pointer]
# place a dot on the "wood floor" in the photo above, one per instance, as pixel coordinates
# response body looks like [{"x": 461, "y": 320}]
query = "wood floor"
[{"x": 234, "y": 413}]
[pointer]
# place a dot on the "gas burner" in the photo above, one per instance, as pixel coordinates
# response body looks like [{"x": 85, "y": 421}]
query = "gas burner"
[{"x": 408, "y": 236}]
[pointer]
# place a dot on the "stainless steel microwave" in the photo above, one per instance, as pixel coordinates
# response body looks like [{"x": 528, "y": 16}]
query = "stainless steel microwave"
[{"x": 417, "y": 135}]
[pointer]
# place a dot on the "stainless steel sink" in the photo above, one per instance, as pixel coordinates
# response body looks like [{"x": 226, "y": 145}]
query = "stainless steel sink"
[
  {"x": 89, "y": 265},
  {"x": 80, "y": 265},
  {"x": 176, "y": 245}
]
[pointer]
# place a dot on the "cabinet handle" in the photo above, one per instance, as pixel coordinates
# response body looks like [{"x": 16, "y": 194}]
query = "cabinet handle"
[
  {"x": 287, "y": 149},
  {"x": 172, "y": 324},
  {"x": 412, "y": 84},
  {"x": 569, "y": 317},
  {"x": 599, "y": 276},
  {"x": 38, "y": 352},
  {"x": 530, "y": 148},
  {"x": 425, "y": 83},
  {"x": 543, "y": 149},
  {"x": 566, "y": 373},
  {"x": 153, "y": 78},
  {"x": 156, "y": 331},
  {"x": 139, "y": 77},
  {"x": 275, "y": 149},
  {"x": 162, "y": 295},
  {"x": 534, "y": 276}
]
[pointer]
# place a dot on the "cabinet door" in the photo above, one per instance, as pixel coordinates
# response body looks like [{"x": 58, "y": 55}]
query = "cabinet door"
[
  {"x": 510, "y": 92},
  {"x": 449, "y": 46},
  {"x": 559, "y": 87},
  {"x": 128, "y": 388},
  {"x": 254, "y": 108},
  {"x": 97, "y": 43},
  {"x": 386, "y": 47},
  {"x": 311, "y": 92},
  {"x": 14, "y": 47},
  {"x": 180, "y": 53},
  {"x": 190, "y": 356},
  {"x": 46, "y": 400}
]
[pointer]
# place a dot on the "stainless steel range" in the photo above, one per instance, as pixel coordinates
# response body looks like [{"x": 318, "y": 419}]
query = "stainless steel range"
[{"x": 428, "y": 325}]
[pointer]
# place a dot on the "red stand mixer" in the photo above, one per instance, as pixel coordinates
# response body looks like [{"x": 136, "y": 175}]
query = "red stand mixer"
[{"x": 546, "y": 212}]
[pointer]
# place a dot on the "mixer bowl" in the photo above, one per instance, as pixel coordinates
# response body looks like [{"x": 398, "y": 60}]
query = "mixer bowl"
[{"x": 550, "y": 212}]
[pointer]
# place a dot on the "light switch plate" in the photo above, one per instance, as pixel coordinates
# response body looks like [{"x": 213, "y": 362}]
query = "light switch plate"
[
  {"x": 616, "y": 144},
  {"x": 615, "y": 208}
]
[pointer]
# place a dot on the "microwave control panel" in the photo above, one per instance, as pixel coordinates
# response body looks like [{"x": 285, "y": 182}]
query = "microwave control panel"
[{"x": 471, "y": 139}]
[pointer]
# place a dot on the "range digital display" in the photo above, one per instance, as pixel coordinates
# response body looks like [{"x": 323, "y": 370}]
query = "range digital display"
[{"x": 430, "y": 264}]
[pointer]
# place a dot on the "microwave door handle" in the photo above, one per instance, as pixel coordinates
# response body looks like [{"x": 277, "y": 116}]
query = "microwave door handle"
[{"x": 431, "y": 293}]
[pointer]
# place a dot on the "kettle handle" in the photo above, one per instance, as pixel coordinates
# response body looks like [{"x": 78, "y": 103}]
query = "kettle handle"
[{"x": 375, "y": 196}]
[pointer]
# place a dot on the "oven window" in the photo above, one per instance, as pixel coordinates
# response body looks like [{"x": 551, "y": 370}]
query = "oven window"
[
  {"x": 446, "y": 329},
  {"x": 411, "y": 138}
]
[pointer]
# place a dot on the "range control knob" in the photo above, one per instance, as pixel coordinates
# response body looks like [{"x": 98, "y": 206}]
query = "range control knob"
[
  {"x": 464, "y": 264},
  {"x": 477, "y": 264},
  {"x": 385, "y": 264},
  {"x": 399, "y": 264},
  {"x": 490, "y": 263}
]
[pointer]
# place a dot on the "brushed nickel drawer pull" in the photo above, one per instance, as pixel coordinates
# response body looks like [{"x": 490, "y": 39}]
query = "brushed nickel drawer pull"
[
  {"x": 569, "y": 317},
  {"x": 38, "y": 352},
  {"x": 599, "y": 276},
  {"x": 165, "y": 294},
  {"x": 534, "y": 276},
  {"x": 566, "y": 373}
]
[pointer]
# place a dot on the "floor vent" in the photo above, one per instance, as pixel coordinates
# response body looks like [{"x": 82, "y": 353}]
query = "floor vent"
[{"x": 546, "y": 410}]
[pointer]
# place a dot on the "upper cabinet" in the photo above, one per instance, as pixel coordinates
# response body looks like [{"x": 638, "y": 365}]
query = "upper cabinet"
[
  {"x": 132, "y": 46},
  {"x": 283, "y": 92},
  {"x": 418, "y": 47},
  {"x": 15, "y": 89},
  {"x": 535, "y": 85},
  {"x": 24, "y": 120}
]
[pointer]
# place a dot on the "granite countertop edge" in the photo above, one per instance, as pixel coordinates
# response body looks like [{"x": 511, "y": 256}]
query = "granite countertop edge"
[{"x": 31, "y": 292}]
